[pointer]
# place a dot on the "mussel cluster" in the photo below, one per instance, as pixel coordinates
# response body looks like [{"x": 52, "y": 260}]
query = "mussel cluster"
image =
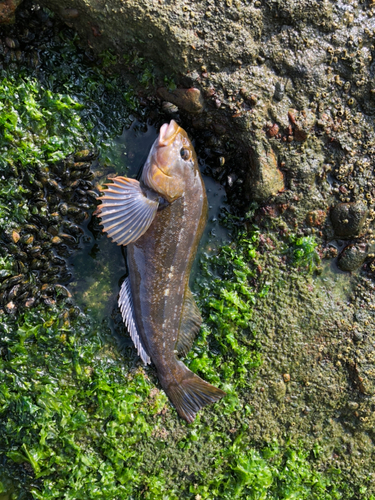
[
  {"x": 19, "y": 42},
  {"x": 60, "y": 197}
]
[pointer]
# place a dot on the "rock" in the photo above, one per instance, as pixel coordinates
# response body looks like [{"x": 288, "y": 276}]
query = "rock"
[
  {"x": 364, "y": 377},
  {"x": 272, "y": 129},
  {"x": 352, "y": 257},
  {"x": 278, "y": 390},
  {"x": 348, "y": 219},
  {"x": 303, "y": 122},
  {"x": 8, "y": 11},
  {"x": 68, "y": 14},
  {"x": 189, "y": 100},
  {"x": 316, "y": 218},
  {"x": 264, "y": 178},
  {"x": 253, "y": 65}
]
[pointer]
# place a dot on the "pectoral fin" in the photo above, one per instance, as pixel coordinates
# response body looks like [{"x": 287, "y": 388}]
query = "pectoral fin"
[
  {"x": 127, "y": 310},
  {"x": 126, "y": 212},
  {"x": 190, "y": 323}
]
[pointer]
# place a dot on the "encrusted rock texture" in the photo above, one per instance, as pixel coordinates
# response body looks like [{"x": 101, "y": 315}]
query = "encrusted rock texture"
[{"x": 299, "y": 74}]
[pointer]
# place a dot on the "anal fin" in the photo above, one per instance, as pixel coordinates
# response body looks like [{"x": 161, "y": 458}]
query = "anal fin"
[
  {"x": 190, "y": 324},
  {"x": 125, "y": 303}
]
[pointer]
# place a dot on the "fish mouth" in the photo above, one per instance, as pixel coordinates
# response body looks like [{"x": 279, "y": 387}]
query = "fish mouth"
[
  {"x": 161, "y": 170},
  {"x": 168, "y": 132}
]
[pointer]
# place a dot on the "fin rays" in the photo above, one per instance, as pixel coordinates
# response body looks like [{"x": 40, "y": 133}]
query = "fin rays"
[
  {"x": 125, "y": 211},
  {"x": 192, "y": 394},
  {"x": 127, "y": 310}
]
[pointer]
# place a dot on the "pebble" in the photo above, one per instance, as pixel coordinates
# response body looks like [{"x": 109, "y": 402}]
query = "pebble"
[{"x": 189, "y": 100}]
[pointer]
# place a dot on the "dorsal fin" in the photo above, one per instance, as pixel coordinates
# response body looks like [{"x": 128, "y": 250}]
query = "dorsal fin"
[
  {"x": 125, "y": 302},
  {"x": 126, "y": 211},
  {"x": 190, "y": 324}
]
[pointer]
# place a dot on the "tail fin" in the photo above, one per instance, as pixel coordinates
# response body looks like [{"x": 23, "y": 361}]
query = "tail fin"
[{"x": 191, "y": 393}]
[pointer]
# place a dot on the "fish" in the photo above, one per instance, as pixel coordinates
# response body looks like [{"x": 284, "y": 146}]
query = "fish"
[{"x": 160, "y": 219}]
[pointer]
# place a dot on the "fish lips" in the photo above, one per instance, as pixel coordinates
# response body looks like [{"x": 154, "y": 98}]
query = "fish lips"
[{"x": 167, "y": 133}]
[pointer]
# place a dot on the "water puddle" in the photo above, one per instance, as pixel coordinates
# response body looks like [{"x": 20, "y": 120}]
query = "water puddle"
[
  {"x": 337, "y": 283},
  {"x": 99, "y": 266}
]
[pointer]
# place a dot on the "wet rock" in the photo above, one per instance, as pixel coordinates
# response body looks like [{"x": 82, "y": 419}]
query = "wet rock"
[
  {"x": 348, "y": 219},
  {"x": 68, "y": 14},
  {"x": 8, "y": 10},
  {"x": 272, "y": 129},
  {"x": 302, "y": 122},
  {"x": 364, "y": 376},
  {"x": 279, "y": 91},
  {"x": 316, "y": 218},
  {"x": 264, "y": 178},
  {"x": 169, "y": 108},
  {"x": 278, "y": 390},
  {"x": 352, "y": 257},
  {"x": 189, "y": 100}
]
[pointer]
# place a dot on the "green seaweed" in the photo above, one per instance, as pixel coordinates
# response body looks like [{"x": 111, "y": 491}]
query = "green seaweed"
[
  {"x": 77, "y": 420},
  {"x": 271, "y": 473},
  {"x": 227, "y": 349},
  {"x": 36, "y": 125},
  {"x": 303, "y": 253}
]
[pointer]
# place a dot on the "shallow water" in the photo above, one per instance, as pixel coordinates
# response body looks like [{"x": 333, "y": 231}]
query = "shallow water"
[{"x": 99, "y": 266}]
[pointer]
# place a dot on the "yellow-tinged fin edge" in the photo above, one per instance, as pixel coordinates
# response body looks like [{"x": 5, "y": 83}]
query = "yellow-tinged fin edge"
[
  {"x": 191, "y": 394},
  {"x": 126, "y": 211},
  {"x": 125, "y": 303}
]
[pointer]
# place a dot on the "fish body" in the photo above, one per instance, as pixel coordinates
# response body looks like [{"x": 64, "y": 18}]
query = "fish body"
[{"x": 162, "y": 237}]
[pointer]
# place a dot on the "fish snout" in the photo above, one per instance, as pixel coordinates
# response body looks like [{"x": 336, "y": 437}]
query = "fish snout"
[{"x": 168, "y": 132}]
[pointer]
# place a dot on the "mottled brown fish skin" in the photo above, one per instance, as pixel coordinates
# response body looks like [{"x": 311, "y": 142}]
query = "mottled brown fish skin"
[{"x": 159, "y": 264}]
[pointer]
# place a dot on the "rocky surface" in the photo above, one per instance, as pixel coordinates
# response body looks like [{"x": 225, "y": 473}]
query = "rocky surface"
[
  {"x": 305, "y": 67},
  {"x": 8, "y": 11}
]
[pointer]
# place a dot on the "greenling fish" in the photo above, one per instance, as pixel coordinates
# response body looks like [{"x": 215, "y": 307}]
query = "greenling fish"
[{"x": 161, "y": 220}]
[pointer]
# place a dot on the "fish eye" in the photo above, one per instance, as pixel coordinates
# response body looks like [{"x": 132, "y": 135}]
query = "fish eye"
[{"x": 185, "y": 153}]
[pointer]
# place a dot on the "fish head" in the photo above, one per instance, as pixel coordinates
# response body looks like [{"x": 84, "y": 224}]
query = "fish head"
[{"x": 172, "y": 162}]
